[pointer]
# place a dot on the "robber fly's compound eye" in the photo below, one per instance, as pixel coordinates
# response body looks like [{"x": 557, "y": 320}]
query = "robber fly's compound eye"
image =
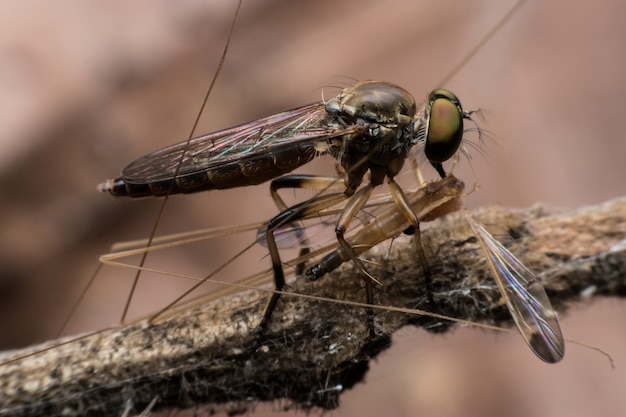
[{"x": 444, "y": 129}]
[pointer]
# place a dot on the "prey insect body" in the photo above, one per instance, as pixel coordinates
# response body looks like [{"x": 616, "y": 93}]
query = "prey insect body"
[
  {"x": 429, "y": 202},
  {"x": 521, "y": 290}
]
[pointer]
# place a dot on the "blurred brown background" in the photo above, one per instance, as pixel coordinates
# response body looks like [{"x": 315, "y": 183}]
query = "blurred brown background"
[{"x": 86, "y": 88}]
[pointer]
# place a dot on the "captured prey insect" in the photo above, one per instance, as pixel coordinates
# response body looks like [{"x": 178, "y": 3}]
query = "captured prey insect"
[
  {"x": 369, "y": 127},
  {"x": 524, "y": 295}
]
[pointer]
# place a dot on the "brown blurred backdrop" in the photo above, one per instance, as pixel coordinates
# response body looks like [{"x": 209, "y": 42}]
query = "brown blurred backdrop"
[{"x": 86, "y": 88}]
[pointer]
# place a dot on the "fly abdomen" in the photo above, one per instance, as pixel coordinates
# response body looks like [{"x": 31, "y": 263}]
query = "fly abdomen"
[{"x": 252, "y": 170}]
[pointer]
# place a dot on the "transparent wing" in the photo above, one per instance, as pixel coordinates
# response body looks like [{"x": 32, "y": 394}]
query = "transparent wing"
[
  {"x": 524, "y": 296},
  {"x": 306, "y": 124}
]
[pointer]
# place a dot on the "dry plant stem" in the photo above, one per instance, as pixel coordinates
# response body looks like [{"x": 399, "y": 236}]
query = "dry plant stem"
[{"x": 314, "y": 350}]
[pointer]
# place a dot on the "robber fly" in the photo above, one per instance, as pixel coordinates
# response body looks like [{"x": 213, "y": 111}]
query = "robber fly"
[{"x": 369, "y": 128}]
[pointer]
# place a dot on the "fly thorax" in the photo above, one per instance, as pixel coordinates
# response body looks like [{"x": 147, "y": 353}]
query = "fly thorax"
[
  {"x": 373, "y": 101},
  {"x": 385, "y": 114}
]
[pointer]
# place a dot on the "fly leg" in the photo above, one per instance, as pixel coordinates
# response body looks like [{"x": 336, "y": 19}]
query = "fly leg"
[
  {"x": 289, "y": 215},
  {"x": 400, "y": 199},
  {"x": 306, "y": 182},
  {"x": 299, "y": 211},
  {"x": 312, "y": 182},
  {"x": 354, "y": 205},
  {"x": 414, "y": 229}
]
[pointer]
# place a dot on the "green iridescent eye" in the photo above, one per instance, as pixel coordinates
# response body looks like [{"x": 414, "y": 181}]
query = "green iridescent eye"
[{"x": 444, "y": 129}]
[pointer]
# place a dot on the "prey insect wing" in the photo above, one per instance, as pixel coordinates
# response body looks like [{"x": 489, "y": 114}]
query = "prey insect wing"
[{"x": 525, "y": 297}]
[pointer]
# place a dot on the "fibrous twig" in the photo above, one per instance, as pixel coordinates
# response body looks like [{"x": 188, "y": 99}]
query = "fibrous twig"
[{"x": 314, "y": 349}]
